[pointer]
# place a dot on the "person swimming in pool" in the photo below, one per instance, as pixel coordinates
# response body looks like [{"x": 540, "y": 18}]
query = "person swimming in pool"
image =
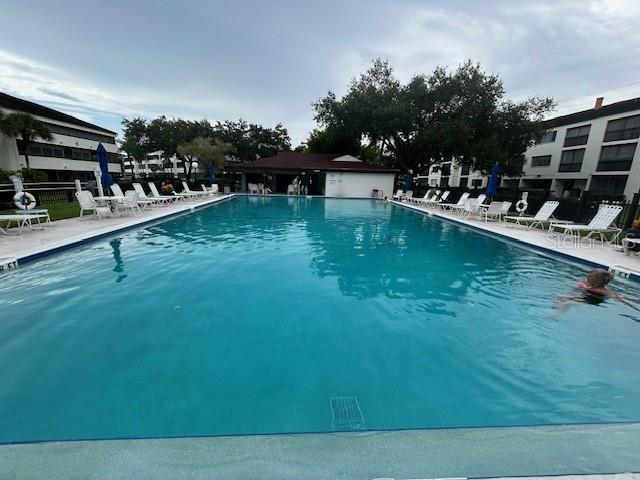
[{"x": 593, "y": 291}]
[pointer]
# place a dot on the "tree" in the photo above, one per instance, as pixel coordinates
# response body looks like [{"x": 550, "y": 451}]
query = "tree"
[
  {"x": 252, "y": 141},
  {"x": 460, "y": 115},
  {"x": 136, "y": 140},
  {"x": 204, "y": 151},
  {"x": 333, "y": 140},
  {"x": 27, "y": 127}
]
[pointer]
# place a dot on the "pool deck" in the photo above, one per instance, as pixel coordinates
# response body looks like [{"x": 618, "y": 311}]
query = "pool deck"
[
  {"x": 592, "y": 252},
  {"x": 60, "y": 234},
  {"x": 578, "y": 450}
]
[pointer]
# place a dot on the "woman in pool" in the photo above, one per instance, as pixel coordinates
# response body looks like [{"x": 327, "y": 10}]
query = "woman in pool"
[{"x": 594, "y": 291}]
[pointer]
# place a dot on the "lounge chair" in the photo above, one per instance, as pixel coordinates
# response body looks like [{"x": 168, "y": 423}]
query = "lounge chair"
[
  {"x": 187, "y": 191},
  {"x": 116, "y": 190},
  {"x": 156, "y": 195},
  {"x": 459, "y": 204},
  {"x": 21, "y": 220},
  {"x": 627, "y": 242},
  {"x": 87, "y": 203},
  {"x": 599, "y": 224},
  {"x": 435, "y": 201},
  {"x": 209, "y": 191},
  {"x": 543, "y": 215},
  {"x": 399, "y": 194},
  {"x": 419, "y": 200},
  {"x": 144, "y": 199},
  {"x": 495, "y": 211}
]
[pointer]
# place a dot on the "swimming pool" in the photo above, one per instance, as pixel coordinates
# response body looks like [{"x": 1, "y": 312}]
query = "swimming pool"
[{"x": 272, "y": 315}]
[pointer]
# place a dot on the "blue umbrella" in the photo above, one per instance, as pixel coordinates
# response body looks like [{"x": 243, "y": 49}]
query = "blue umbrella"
[
  {"x": 106, "y": 179},
  {"x": 493, "y": 181},
  {"x": 408, "y": 180},
  {"x": 211, "y": 173}
]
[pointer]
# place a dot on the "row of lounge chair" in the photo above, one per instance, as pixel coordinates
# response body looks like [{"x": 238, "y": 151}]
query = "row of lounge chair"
[
  {"x": 136, "y": 200},
  {"x": 600, "y": 226}
]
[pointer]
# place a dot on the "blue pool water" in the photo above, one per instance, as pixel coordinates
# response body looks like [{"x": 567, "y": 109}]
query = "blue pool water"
[{"x": 255, "y": 315}]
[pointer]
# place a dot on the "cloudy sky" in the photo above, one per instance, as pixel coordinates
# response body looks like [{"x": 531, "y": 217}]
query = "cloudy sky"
[{"x": 267, "y": 61}]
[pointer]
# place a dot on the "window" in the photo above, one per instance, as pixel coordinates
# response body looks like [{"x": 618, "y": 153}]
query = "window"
[
  {"x": 476, "y": 182},
  {"x": 571, "y": 160},
  {"x": 464, "y": 181},
  {"x": 623, "y": 129},
  {"x": 77, "y": 133},
  {"x": 616, "y": 157},
  {"x": 47, "y": 151},
  {"x": 541, "y": 161},
  {"x": 35, "y": 150},
  {"x": 57, "y": 151},
  {"x": 446, "y": 169},
  {"x": 612, "y": 184},
  {"x": 548, "y": 137},
  {"x": 465, "y": 170},
  {"x": 577, "y": 136}
]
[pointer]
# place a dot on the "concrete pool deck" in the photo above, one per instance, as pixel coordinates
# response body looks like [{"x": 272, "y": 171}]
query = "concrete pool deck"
[
  {"x": 402, "y": 454},
  {"x": 61, "y": 233},
  {"x": 607, "y": 256}
]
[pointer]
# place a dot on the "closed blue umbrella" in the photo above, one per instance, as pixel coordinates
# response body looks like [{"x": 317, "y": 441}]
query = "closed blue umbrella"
[
  {"x": 408, "y": 180},
  {"x": 211, "y": 173},
  {"x": 106, "y": 179},
  {"x": 492, "y": 185}
]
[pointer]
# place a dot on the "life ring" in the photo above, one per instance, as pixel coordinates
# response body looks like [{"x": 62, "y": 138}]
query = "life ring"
[
  {"x": 521, "y": 206},
  {"x": 24, "y": 200}
]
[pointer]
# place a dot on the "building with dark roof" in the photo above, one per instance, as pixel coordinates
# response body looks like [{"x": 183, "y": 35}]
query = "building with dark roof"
[
  {"x": 316, "y": 174},
  {"x": 72, "y": 152},
  {"x": 593, "y": 150}
]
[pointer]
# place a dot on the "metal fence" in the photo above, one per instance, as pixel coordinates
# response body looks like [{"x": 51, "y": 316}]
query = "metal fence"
[{"x": 46, "y": 193}]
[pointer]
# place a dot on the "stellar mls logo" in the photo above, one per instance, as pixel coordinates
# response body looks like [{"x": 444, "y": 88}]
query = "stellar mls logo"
[{"x": 570, "y": 242}]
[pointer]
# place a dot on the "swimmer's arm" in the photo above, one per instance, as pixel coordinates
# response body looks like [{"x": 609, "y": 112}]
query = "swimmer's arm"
[{"x": 613, "y": 294}]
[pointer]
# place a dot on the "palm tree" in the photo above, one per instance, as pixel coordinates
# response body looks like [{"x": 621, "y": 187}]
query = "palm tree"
[{"x": 27, "y": 127}]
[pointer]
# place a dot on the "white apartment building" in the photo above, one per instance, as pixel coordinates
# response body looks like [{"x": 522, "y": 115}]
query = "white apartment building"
[
  {"x": 154, "y": 162},
  {"x": 594, "y": 150},
  {"x": 72, "y": 152}
]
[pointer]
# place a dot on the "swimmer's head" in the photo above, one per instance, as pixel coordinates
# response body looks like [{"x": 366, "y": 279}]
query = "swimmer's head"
[{"x": 599, "y": 278}]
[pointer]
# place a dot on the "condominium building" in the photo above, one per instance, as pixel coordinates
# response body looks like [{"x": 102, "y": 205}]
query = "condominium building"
[
  {"x": 593, "y": 150},
  {"x": 69, "y": 155}
]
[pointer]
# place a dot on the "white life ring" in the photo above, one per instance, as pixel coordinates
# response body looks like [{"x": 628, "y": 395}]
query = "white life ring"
[
  {"x": 521, "y": 206},
  {"x": 24, "y": 200}
]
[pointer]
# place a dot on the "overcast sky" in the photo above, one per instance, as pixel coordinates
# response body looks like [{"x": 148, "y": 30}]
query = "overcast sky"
[{"x": 267, "y": 61}]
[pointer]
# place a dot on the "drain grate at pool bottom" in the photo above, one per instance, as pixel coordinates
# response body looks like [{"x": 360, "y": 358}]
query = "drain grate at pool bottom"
[{"x": 346, "y": 414}]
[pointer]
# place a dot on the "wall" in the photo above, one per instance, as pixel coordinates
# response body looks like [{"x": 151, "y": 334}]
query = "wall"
[{"x": 351, "y": 184}]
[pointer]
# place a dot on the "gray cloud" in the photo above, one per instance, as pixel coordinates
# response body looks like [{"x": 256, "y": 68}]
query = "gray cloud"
[{"x": 267, "y": 61}]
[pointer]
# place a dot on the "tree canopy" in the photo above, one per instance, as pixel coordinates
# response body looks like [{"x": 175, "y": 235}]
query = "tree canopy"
[
  {"x": 461, "y": 115},
  {"x": 205, "y": 150},
  {"x": 247, "y": 141}
]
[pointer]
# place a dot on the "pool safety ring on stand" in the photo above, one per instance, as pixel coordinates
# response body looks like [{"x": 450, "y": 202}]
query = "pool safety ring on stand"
[
  {"x": 521, "y": 206},
  {"x": 24, "y": 200}
]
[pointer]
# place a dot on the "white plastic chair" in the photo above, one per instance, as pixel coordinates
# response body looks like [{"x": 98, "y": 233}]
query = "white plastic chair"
[
  {"x": 129, "y": 203},
  {"x": 496, "y": 211},
  {"x": 87, "y": 203}
]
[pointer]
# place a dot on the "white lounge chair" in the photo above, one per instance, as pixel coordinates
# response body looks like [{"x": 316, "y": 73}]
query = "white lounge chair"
[
  {"x": 408, "y": 196},
  {"x": 21, "y": 220},
  {"x": 187, "y": 191},
  {"x": 144, "y": 199},
  {"x": 495, "y": 211},
  {"x": 87, "y": 203},
  {"x": 543, "y": 215},
  {"x": 116, "y": 190},
  {"x": 208, "y": 191},
  {"x": 599, "y": 224},
  {"x": 399, "y": 194},
  {"x": 435, "y": 201},
  {"x": 459, "y": 204},
  {"x": 418, "y": 200},
  {"x": 627, "y": 242},
  {"x": 156, "y": 195}
]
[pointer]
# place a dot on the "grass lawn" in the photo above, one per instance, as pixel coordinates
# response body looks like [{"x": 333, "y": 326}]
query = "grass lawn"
[{"x": 57, "y": 211}]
